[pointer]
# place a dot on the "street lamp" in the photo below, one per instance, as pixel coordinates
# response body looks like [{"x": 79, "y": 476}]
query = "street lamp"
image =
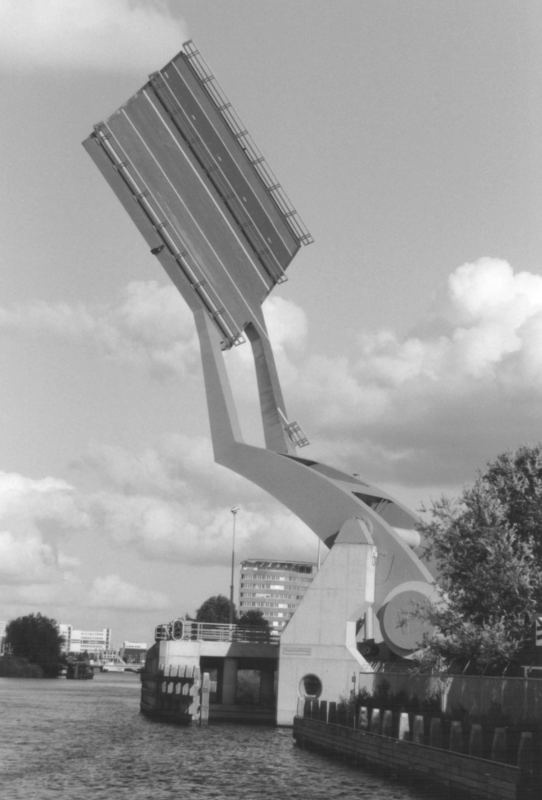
[{"x": 234, "y": 510}]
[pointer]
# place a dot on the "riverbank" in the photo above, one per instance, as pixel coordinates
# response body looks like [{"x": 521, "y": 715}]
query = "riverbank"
[{"x": 420, "y": 749}]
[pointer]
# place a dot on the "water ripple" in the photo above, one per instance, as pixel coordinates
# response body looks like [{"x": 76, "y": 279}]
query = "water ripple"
[{"x": 71, "y": 740}]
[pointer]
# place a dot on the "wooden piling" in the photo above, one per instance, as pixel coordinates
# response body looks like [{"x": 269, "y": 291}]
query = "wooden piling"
[
  {"x": 363, "y": 718},
  {"x": 205, "y": 692},
  {"x": 387, "y": 723},
  {"x": 499, "y": 745},
  {"x": 456, "y": 736},
  {"x": 435, "y": 732},
  {"x": 403, "y": 733},
  {"x": 476, "y": 741},
  {"x": 418, "y": 729},
  {"x": 375, "y": 723}
]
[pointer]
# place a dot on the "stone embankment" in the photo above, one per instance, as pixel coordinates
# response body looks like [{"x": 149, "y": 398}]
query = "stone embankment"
[{"x": 464, "y": 761}]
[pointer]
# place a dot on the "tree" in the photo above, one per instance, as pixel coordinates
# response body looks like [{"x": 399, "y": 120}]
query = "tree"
[
  {"x": 36, "y": 638},
  {"x": 487, "y": 550},
  {"x": 216, "y": 609},
  {"x": 517, "y": 479},
  {"x": 254, "y": 618}
]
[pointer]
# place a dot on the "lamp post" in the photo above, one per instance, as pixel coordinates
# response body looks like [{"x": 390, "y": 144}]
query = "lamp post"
[{"x": 234, "y": 510}]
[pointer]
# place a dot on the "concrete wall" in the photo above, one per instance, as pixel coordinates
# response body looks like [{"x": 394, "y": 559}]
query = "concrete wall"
[
  {"x": 454, "y": 774},
  {"x": 173, "y": 654},
  {"x": 182, "y": 654},
  {"x": 320, "y": 639}
]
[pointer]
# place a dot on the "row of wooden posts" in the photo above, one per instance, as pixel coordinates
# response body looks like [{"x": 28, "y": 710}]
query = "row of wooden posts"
[{"x": 428, "y": 729}]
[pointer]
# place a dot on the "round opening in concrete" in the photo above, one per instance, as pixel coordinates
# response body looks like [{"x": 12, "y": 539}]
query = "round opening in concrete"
[{"x": 310, "y": 686}]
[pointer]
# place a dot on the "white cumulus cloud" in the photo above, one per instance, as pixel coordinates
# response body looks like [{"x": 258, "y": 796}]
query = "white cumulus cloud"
[
  {"x": 199, "y": 531},
  {"x": 170, "y": 502},
  {"x": 147, "y": 324},
  {"x": 36, "y": 515},
  {"x": 26, "y": 558},
  {"x": 114, "y": 593},
  {"x": 430, "y": 405},
  {"x": 287, "y": 325},
  {"x": 104, "y": 35}
]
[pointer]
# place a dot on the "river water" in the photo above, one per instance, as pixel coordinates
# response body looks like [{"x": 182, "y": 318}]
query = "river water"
[{"x": 86, "y": 740}]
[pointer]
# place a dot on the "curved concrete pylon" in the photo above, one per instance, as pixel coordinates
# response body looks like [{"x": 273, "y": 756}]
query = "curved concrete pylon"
[{"x": 323, "y": 497}]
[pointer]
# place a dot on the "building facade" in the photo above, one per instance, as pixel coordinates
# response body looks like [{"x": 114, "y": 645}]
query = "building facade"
[
  {"x": 273, "y": 587},
  {"x": 78, "y": 641},
  {"x": 133, "y": 652}
]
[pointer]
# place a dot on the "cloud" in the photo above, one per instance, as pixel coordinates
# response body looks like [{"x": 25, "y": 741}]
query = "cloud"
[
  {"x": 100, "y": 35},
  {"x": 58, "y": 319},
  {"x": 172, "y": 467},
  {"x": 488, "y": 321},
  {"x": 114, "y": 593},
  {"x": 432, "y": 405},
  {"x": 287, "y": 325},
  {"x": 35, "y": 518},
  {"x": 65, "y": 593},
  {"x": 170, "y": 502},
  {"x": 147, "y": 324},
  {"x": 184, "y": 517},
  {"x": 200, "y": 532},
  {"x": 422, "y": 409},
  {"x": 152, "y": 325},
  {"x": 27, "y": 558},
  {"x": 417, "y": 410}
]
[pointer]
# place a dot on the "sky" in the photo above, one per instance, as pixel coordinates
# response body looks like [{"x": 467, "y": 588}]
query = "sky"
[{"x": 409, "y": 334}]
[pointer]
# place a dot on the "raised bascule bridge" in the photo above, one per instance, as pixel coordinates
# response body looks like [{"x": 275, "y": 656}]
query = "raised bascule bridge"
[{"x": 213, "y": 214}]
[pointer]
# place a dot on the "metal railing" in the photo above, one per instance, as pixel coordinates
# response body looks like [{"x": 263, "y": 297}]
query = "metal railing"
[
  {"x": 253, "y": 154},
  {"x": 189, "y": 630}
]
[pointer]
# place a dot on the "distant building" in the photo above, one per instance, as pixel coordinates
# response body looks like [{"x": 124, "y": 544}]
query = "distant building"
[
  {"x": 78, "y": 641},
  {"x": 274, "y": 587},
  {"x": 133, "y": 652}
]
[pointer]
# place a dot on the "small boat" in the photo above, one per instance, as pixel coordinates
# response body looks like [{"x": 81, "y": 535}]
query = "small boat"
[{"x": 114, "y": 665}]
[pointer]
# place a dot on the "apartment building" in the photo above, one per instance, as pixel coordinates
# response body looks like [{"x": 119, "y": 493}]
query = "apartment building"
[
  {"x": 79, "y": 641},
  {"x": 273, "y": 587}
]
